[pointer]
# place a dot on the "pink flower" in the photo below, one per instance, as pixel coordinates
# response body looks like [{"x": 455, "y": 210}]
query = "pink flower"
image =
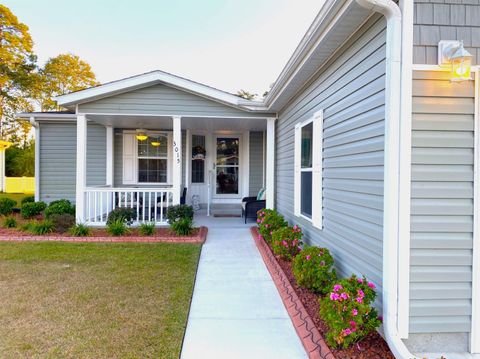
[
  {"x": 271, "y": 232},
  {"x": 353, "y": 324},
  {"x": 334, "y": 296},
  {"x": 354, "y": 312},
  {"x": 307, "y": 257},
  {"x": 371, "y": 285},
  {"x": 267, "y": 225},
  {"x": 344, "y": 295},
  {"x": 284, "y": 243},
  {"x": 359, "y": 300},
  {"x": 259, "y": 220},
  {"x": 337, "y": 287},
  {"x": 347, "y": 332},
  {"x": 360, "y": 293},
  {"x": 322, "y": 263},
  {"x": 360, "y": 280}
]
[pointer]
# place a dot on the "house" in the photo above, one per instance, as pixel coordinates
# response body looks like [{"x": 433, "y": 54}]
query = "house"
[{"x": 364, "y": 141}]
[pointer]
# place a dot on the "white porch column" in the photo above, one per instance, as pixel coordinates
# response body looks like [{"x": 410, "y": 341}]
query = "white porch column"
[
  {"x": 270, "y": 165},
  {"x": 177, "y": 158},
  {"x": 109, "y": 164},
  {"x": 81, "y": 167}
]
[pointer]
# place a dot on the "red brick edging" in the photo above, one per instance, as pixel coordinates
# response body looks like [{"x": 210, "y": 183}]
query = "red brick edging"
[
  {"x": 199, "y": 238},
  {"x": 311, "y": 338}
]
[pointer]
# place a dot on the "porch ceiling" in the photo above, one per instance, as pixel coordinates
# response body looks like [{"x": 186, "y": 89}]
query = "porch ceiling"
[{"x": 193, "y": 123}]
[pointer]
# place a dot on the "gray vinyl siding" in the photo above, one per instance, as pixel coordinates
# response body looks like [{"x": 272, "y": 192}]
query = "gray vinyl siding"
[
  {"x": 442, "y": 204},
  {"x": 436, "y": 20},
  {"x": 350, "y": 90},
  {"x": 256, "y": 163},
  {"x": 58, "y": 158},
  {"x": 162, "y": 100}
]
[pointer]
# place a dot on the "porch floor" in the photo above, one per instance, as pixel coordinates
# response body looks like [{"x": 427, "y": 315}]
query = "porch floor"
[{"x": 236, "y": 310}]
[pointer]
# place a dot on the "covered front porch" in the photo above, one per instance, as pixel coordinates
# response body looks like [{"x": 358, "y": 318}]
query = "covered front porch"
[{"x": 151, "y": 162}]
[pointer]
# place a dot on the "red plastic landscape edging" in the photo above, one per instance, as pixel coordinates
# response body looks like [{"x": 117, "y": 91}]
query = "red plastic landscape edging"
[
  {"x": 199, "y": 238},
  {"x": 308, "y": 333}
]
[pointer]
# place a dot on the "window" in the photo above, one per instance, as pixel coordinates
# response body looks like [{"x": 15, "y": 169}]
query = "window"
[
  {"x": 198, "y": 159},
  {"x": 152, "y": 155},
  {"x": 308, "y": 169}
]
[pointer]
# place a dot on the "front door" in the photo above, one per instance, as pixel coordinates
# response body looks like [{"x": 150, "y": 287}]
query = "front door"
[{"x": 227, "y": 166}]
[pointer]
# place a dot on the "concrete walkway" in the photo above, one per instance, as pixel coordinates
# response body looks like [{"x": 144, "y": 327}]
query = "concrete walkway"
[{"x": 236, "y": 310}]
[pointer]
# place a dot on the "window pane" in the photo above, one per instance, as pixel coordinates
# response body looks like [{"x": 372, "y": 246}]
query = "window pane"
[
  {"x": 227, "y": 151},
  {"x": 227, "y": 180},
  {"x": 147, "y": 149},
  {"x": 198, "y": 158},
  {"x": 307, "y": 136},
  {"x": 152, "y": 171},
  {"x": 306, "y": 195}
]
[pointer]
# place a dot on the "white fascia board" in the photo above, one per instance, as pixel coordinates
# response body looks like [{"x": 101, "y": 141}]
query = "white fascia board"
[
  {"x": 149, "y": 79},
  {"x": 46, "y": 116}
]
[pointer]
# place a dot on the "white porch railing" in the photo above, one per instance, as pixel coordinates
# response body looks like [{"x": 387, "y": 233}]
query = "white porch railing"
[{"x": 150, "y": 204}]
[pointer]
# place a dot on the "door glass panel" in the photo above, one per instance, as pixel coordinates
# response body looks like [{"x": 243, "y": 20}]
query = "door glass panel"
[
  {"x": 227, "y": 165},
  {"x": 227, "y": 180}
]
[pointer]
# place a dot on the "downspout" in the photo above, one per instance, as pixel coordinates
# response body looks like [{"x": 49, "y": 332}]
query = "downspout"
[
  {"x": 36, "y": 126},
  {"x": 393, "y": 91}
]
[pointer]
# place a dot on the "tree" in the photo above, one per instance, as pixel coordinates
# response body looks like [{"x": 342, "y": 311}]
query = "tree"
[
  {"x": 63, "y": 74},
  {"x": 20, "y": 161},
  {"x": 246, "y": 95},
  {"x": 17, "y": 78}
]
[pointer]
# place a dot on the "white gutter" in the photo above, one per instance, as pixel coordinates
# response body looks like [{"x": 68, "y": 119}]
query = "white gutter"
[
  {"x": 37, "y": 157},
  {"x": 393, "y": 91}
]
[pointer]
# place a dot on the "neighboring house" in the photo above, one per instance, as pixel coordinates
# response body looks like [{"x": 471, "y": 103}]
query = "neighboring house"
[{"x": 372, "y": 153}]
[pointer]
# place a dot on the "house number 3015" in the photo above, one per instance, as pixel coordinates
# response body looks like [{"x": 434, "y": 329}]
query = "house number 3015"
[{"x": 176, "y": 152}]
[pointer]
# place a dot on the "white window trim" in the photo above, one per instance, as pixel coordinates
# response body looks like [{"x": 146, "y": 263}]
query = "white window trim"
[
  {"x": 169, "y": 159},
  {"x": 316, "y": 169}
]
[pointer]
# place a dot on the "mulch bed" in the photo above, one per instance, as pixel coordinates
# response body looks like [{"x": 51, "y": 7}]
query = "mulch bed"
[
  {"x": 100, "y": 235},
  {"x": 372, "y": 347}
]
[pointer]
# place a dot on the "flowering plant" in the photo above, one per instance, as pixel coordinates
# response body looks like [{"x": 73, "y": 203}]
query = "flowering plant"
[
  {"x": 312, "y": 269},
  {"x": 269, "y": 220},
  {"x": 287, "y": 241},
  {"x": 347, "y": 310}
]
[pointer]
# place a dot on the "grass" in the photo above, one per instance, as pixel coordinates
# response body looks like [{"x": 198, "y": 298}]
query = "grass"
[
  {"x": 15, "y": 196},
  {"x": 94, "y": 300}
]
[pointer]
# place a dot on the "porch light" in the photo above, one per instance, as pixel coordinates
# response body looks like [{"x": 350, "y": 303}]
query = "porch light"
[
  {"x": 141, "y": 135},
  {"x": 454, "y": 54}
]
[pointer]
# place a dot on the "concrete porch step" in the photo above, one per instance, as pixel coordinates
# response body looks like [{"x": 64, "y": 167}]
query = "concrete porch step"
[{"x": 226, "y": 209}]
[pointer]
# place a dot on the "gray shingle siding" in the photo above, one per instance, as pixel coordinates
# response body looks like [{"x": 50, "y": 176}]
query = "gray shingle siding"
[
  {"x": 436, "y": 20},
  {"x": 256, "y": 162},
  {"x": 162, "y": 100},
  {"x": 350, "y": 90},
  {"x": 442, "y": 204},
  {"x": 58, "y": 143}
]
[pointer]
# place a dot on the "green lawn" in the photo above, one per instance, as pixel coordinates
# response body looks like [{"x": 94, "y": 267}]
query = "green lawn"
[
  {"x": 94, "y": 300},
  {"x": 15, "y": 196}
]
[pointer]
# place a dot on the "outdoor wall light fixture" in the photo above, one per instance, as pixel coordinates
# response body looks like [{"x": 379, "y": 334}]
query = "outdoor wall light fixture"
[
  {"x": 452, "y": 53},
  {"x": 141, "y": 134}
]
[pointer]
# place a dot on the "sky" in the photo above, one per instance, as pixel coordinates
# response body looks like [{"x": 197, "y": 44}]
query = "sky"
[{"x": 230, "y": 45}]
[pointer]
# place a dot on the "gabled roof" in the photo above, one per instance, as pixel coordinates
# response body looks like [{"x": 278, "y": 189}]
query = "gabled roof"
[{"x": 152, "y": 78}]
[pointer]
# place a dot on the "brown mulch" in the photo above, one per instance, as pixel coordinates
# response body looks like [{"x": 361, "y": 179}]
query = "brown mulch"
[{"x": 372, "y": 347}]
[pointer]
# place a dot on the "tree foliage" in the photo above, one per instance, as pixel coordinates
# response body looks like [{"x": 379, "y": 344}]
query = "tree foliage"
[
  {"x": 246, "y": 95},
  {"x": 63, "y": 74},
  {"x": 20, "y": 161}
]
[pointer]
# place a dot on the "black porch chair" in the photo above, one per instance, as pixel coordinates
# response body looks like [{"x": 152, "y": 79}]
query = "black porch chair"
[{"x": 250, "y": 207}]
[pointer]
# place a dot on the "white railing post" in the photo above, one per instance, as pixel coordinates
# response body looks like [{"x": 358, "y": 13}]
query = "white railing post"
[
  {"x": 81, "y": 168},
  {"x": 270, "y": 165},
  {"x": 177, "y": 159}
]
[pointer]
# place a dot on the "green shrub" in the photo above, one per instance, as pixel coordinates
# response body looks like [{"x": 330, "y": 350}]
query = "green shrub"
[
  {"x": 28, "y": 199},
  {"x": 123, "y": 214},
  {"x": 268, "y": 221},
  {"x": 39, "y": 227},
  {"x": 6, "y": 206},
  {"x": 62, "y": 206},
  {"x": 31, "y": 209},
  {"x": 9, "y": 222},
  {"x": 27, "y": 226},
  {"x": 147, "y": 229},
  {"x": 312, "y": 269},
  {"x": 117, "y": 228},
  {"x": 178, "y": 212},
  {"x": 182, "y": 227},
  {"x": 286, "y": 242},
  {"x": 62, "y": 222},
  {"x": 80, "y": 230},
  {"x": 348, "y": 312}
]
